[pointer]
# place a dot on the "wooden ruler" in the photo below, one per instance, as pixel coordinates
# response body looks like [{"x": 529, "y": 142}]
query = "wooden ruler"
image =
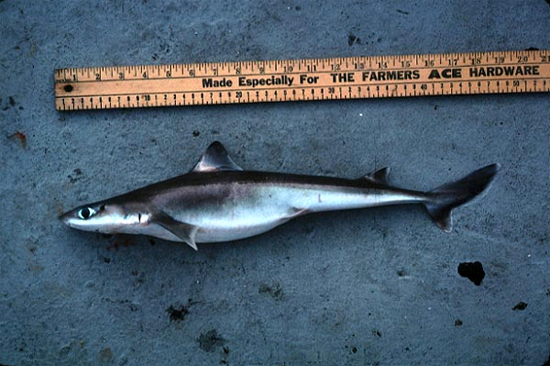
[{"x": 302, "y": 80}]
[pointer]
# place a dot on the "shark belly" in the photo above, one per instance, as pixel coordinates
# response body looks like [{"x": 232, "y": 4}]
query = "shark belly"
[
  {"x": 245, "y": 210},
  {"x": 241, "y": 212}
]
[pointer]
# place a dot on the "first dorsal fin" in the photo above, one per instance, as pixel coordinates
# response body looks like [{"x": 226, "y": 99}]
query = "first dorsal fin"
[
  {"x": 215, "y": 159},
  {"x": 378, "y": 176}
]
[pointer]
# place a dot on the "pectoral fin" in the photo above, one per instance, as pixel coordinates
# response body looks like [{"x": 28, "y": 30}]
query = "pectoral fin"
[{"x": 182, "y": 230}]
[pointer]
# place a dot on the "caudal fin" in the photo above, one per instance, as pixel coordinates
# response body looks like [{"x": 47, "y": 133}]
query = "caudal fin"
[{"x": 448, "y": 196}]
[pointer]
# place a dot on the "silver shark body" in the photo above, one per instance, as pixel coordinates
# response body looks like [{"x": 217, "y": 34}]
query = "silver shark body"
[{"x": 218, "y": 201}]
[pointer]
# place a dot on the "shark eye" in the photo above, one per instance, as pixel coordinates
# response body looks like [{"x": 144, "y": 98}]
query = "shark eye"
[{"x": 86, "y": 213}]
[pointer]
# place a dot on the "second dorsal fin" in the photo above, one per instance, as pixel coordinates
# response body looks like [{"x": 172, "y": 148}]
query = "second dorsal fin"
[
  {"x": 378, "y": 176},
  {"x": 215, "y": 159}
]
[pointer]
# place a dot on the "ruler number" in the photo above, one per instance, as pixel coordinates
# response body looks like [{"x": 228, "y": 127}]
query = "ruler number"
[
  {"x": 476, "y": 61},
  {"x": 405, "y": 63},
  {"x": 336, "y": 67},
  {"x": 429, "y": 63},
  {"x": 453, "y": 61},
  {"x": 382, "y": 65},
  {"x": 192, "y": 72},
  {"x": 144, "y": 75},
  {"x": 499, "y": 60},
  {"x": 523, "y": 59},
  {"x": 239, "y": 94},
  {"x": 98, "y": 76},
  {"x": 288, "y": 68},
  {"x": 168, "y": 74},
  {"x": 311, "y": 68},
  {"x": 359, "y": 66},
  {"x": 121, "y": 76}
]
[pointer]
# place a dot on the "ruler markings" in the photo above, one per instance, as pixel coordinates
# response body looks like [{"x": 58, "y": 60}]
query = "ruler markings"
[
  {"x": 160, "y": 77},
  {"x": 317, "y": 79},
  {"x": 275, "y": 88}
]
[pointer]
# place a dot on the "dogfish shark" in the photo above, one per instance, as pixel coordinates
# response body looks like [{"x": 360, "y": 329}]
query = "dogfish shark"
[{"x": 218, "y": 201}]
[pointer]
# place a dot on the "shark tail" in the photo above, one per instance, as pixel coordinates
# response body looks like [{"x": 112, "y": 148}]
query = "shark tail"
[{"x": 443, "y": 199}]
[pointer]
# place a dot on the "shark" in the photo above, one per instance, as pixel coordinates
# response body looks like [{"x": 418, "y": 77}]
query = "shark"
[{"x": 218, "y": 201}]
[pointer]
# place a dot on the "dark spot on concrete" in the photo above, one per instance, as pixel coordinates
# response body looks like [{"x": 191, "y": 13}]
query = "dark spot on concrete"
[
  {"x": 105, "y": 355},
  {"x": 473, "y": 271},
  {"x": 401, "y": 273},
  {"x": 196, "y": 133},
  {"x": 177, "y": 313},
  {"x": 351, "y": 39},
  {"x": 402, "y": 11},
  {"x": 152, "y": 242},
  {"x": 106, "y": 259},
  {"x": 12, "y": 101},
  {"x": 275, "y": 290},
  {"x": 376, "y": 332},
  {"x": 225, "y": 350},
  {"x": 210, "y": 340},
  {"x": 354, "y": 350},
  {"x": 120, "y": 240},
  {"x": 435, "y": 107},
  {"x": 298, "y": 8},
  {"x": 458, "y": 323},
  {"x": 74, "y": 179},
  {"x": 520, "y": 306},
  {"x": 20, "y": 136}
]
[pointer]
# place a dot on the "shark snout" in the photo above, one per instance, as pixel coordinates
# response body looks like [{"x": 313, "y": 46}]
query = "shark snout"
[{"x": 66, "y": 217}]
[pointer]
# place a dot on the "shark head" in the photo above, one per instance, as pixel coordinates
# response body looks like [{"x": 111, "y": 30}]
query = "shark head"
[
  {"x": 112, "y": 217},
  {"x": 104, "y": 217}
]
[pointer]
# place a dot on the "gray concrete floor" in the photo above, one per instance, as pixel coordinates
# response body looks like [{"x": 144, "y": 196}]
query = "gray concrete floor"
[{"x": 367, "y": 287}]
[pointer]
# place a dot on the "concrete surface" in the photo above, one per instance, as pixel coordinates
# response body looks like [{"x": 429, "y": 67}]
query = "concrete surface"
[{"x": 368, "y": 287}]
